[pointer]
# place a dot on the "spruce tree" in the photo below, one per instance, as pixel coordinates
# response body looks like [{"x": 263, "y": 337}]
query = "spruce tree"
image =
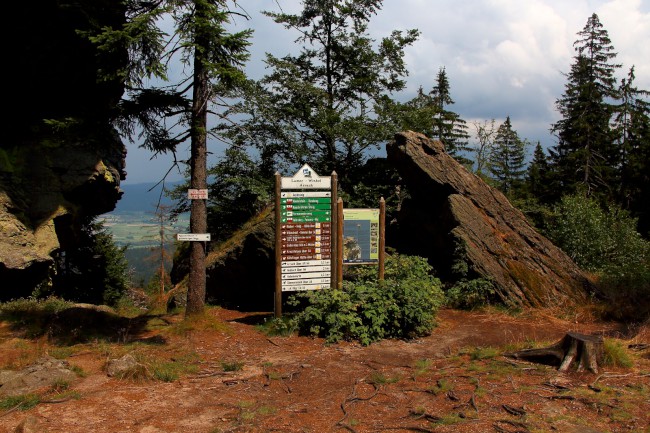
[
  {"x": 447, "y": 125},
  {"x": 507, "y": 159},
  {"x": 585, "y": 153},
  {"x": 537, "y": 175},
  {"x": 331, "y": 103},
  {"x": 632, "y": 127},
  {"x": 214, "y": 58}
]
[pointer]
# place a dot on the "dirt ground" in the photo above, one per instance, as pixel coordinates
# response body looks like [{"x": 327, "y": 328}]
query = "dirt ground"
[{"x": 455, "y": 380}]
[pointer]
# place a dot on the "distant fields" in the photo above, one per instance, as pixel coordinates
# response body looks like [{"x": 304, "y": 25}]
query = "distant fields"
[{"x": 141, "y": 235}]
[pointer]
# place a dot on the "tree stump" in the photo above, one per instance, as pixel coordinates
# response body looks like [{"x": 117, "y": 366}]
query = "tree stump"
[{"x": 583, "y": 351}]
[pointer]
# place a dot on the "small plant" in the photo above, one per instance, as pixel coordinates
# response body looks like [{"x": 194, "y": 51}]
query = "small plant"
[
  {"x": 421, "y": 366},
  {"x": 21, "y": 402},
  {"x": 471, "y": 294},
  {"x": 232, "y": 365},
  {"x": 278, "y": 326},
  {"x": 441, "y": 387},
  {"x": 616, "y": 355},
  {"x": 61, "y": 352},
  {"x": 483, "y": 353},
  {"x": 78, "y": 371},
  {"x": 60, "y": 385},
  {"x": 378, "y": 378}
]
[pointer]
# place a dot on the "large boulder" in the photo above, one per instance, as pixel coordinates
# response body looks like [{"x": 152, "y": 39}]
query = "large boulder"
[
  {"x": 452, "y": 216},
  {"x": 61, "y": 160}
]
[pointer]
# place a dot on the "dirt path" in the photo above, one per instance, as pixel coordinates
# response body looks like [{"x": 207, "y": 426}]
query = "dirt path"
[{"x": 440, "y": 383}]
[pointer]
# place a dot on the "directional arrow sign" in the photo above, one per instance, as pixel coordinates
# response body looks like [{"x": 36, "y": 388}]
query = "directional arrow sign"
[{"x": 199, "y": 237}]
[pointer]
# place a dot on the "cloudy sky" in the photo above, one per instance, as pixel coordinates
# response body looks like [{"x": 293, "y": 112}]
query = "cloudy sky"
[{"x": 502, "y": 57}]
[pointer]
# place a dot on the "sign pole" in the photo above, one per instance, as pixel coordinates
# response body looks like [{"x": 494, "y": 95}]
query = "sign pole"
[
  {"x": 278, "y": 249},
  {"x": 339, "y": 243},
  {"x": 334, "y": 232},
  {"x": 382, "y": 237}
]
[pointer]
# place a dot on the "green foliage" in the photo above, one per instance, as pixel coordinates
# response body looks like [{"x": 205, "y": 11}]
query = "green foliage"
[
  {"x": 402, "y": 306},
  {"x": 604, "y": 241},
  {"x": 94, "y": 271},
  {"x": 327, "y": 104},
  {"x": 32, "y": 314},
  {"x": 232, "y": 365},
  {"x": 470, "y": 294},
  {"x": 467, "y": 292},
  {"x": 22, "y": 402},
  {"x": 585, "y": 154},
  {"x": 599, "y": 240},
  {"x": 507, "y": 159},
  {"x": 615, "y": 354}
]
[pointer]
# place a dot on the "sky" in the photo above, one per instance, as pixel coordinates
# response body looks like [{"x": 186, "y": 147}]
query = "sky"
[{"x": 502, "y": 57}]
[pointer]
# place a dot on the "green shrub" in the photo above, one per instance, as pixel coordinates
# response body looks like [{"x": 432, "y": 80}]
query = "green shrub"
[
  {"x": 605, "y": 241},
  {"x": 403, "y": 305},
  {"x": 470, "y": 294}
]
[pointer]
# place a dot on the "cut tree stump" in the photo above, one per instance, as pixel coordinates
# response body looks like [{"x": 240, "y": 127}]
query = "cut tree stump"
[{"x": 583, "y": 351}]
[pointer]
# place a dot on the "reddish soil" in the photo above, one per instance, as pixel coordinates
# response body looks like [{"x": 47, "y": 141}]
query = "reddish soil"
[{"x": 440, "y": 383}]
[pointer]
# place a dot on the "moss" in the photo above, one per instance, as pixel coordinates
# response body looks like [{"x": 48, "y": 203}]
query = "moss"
[
  {"x": 108, "y": 176},
  {"x": 527, "y": 279}
]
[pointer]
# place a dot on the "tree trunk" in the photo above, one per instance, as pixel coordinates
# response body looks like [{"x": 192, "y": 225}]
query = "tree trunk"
[
  {"x": 198, "y": 176},
  {"x": 583, "y": 351}
]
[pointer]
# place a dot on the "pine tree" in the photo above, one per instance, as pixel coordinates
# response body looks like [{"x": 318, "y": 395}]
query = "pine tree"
[
  {"x": 632, "y": 126},
  {"x": 507, "y": 160},
  {"x": 537, "y": 176},
  {"x": 585, "y": 153},
  {"x": 447, "y": 125},
  {"x": 330, "y": 104},
  {"x": 215, "y": 58}
]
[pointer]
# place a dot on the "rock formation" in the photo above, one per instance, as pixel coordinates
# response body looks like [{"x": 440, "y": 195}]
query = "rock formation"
[
  {"x": 61, "y": 161},
  {"x": 241, "y": 271},
  {"x": 453, "y": 215}
]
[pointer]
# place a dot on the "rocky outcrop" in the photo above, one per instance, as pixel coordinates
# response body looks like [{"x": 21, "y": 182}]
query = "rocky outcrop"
[
  {"x": 43, "y": 204},
  {"x": 241, "y": 270},
  {"x": 453, "y": 216},
  {"x": 61, "y": 161}
]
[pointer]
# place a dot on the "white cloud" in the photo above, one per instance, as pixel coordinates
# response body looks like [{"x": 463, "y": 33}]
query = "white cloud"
[{"x": 502, "y": 57}]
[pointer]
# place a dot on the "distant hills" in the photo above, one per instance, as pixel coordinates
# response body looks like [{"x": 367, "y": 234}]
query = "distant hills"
[{"x": 143, "y": 197}]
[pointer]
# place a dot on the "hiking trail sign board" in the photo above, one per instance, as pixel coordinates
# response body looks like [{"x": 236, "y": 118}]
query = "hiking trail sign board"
[{"x": 304, "y": 232}]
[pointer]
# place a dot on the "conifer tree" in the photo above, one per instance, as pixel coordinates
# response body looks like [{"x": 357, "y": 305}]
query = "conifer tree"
[
  {"x": 632, "y": 127},
  {"x": 507, "y": 160},
  {"x": 329, "y": 104},
  {"x": 447, "y": 125},
  {"x": 537, "y": 176},
  {"x": 585, "y": 153},
  {"x": 215, "y": 60}
]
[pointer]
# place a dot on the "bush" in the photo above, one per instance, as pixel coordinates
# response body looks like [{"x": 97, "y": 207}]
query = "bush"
[
  {"x": 470, "y": 294},
  {"x": 367, "y": 310},
  {"x": 605, "y": 241}
]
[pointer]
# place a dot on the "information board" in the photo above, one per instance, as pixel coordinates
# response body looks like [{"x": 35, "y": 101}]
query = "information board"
[
  {"x": 305, "y": 227},
  {"x": 360, "y": 235},
  {"x": 306, "y": 240}
]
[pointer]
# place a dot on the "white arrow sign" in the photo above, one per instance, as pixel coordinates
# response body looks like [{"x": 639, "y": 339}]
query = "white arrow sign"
[{"x": 198, "y": 237}]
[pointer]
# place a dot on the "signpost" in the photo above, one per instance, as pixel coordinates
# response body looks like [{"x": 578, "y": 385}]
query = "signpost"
[
  {"x": 304, "y": 232},
  {"x": 195, "y": 194},
  {"x": 194, "y": 237}
]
